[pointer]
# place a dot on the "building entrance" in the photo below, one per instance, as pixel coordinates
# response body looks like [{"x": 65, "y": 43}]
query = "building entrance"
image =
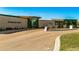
[
  {"x": 33, "y": 22},
  {"x": 69, "y": 22}
]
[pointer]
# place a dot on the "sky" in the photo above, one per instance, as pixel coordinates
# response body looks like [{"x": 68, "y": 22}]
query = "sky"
[{"x": 44, "y": 12}]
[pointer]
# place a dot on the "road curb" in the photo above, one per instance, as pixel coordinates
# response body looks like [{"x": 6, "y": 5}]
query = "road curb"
[{"x": 57, "y": 44}]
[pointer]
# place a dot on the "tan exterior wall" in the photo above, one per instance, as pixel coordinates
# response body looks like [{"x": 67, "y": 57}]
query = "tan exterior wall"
[
  {"x": 50, "y": 23},
  {"x": 78, "y": 23},
  {"x": 43, "y": 23},
  {"x": 4, "y": 22}
]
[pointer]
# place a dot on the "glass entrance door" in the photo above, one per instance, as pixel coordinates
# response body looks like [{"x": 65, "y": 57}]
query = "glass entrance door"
[{"x": 33, "y": 23}]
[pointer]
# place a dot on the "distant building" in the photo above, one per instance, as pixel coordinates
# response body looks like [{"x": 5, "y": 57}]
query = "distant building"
[{"x": 59, "y": 23}]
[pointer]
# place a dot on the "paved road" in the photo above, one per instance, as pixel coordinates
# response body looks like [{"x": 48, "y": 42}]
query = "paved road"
[{"x": 31, "y": 40}]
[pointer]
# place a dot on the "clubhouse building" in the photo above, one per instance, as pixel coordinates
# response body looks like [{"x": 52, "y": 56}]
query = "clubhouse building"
[{"x": 8, "y": 22}]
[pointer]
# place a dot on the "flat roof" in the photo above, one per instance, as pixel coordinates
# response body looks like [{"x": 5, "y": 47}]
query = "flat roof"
[
  {"x": 27, "y": 17},
  {"x": 24, "y": 17},
  {"x": 62, "y": 19},
  {"x": 8, "y": 15},
  {"x": 70, "y": 19}
]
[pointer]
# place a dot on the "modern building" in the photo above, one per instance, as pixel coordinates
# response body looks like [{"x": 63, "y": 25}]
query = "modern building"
[
  {"x": 59, "y": 23},
  {"x": 32, "y": 21},
  {"x": 23, "y": 22},
  {"x": 68, "y": 22},
  {"x": 18, "y": 22}
]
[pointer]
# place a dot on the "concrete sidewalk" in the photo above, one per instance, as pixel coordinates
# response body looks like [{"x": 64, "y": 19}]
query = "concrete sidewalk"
[{"x": 57, "y": 44}]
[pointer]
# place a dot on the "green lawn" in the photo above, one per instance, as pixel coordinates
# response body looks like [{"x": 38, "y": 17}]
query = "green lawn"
[{"x": 70, "y": 42}]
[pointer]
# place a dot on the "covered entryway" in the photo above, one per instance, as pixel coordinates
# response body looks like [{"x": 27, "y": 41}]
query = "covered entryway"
[
  {"x": 69, "y": 22},
  {"x": 33, "y": 22}
]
